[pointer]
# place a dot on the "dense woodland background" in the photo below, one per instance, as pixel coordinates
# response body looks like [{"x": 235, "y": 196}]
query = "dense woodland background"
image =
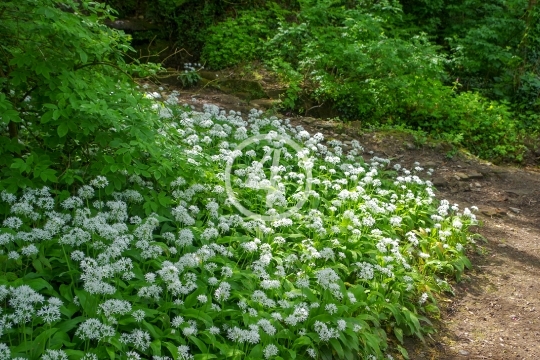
[{"x": 466, "y": 71}]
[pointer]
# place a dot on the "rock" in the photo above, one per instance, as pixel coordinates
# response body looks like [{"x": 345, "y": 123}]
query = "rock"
[
  {"x": 207, "y": 74},
  {"x": 429, "y": 164},
  {"x": 309, "y": 120},
  {"x": 519, "y": 192},
  {"x": 410, "y": 146},
  {"x": 439, "y": 182},
  {"x": 266, "y": 103},
  {"x": 327, "y": 125},
  {"x": 477, "y": 184},
  {"x": 461, "y": 176},
  {"x": 275, "y": 93},
  {"x": 464, "y": 352},
  {"x": 492, "y": 212},
  {"x": 171, "y": 78},
  {"x": 473, "y": 174},
  {"x": 242, "y": 88},
  {"x": 515, "y": 210},
  {"x": 499, "y": 171}
]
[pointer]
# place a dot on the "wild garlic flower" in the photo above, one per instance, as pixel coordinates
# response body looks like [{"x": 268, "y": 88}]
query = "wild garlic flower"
[
  {"x": 140, "y": 339},
  {"x": 270, "y": 350},
  {"x": 54, "y": 355},
  {"x": 331, "y": 308},
  {"x": 5, "y": 352},
  {"x": 183, "y": 351},
  {"x": 13, "y": 222},
  {"x": 93, "y": 329},
  {"x": 99, "y": 182}
]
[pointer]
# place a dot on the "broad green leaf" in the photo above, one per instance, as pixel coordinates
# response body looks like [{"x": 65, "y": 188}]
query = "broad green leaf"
[
  {"x": 126, "y": 158},
  {"x": 40, "y": 342},
  {"x": 62, "y": 130}
]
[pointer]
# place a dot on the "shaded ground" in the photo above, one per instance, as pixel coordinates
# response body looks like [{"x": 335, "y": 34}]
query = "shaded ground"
[{"x": 495, "y": 313}]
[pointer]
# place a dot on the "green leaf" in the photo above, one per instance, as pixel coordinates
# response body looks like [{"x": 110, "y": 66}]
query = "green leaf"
[
  {"x": 39, "y": 343},
  {"x": 37, "y": 265},
  {"x": 153, "y": 330},
  {"x": 399, "y": 334},
  {"x": 67, "y": 325},
  {"x": 10, "y": 115},
  {"x": 77, "y": 354},
  {"x": 256, "y": 352},
  {"x": 173, "y": 350},
  {"x": 82, "y": 54},
  {"x": 37, "y": 284},
  {"x": 233, "y": 353},
  {"x": 156, "y": 347},
  {"x": 199, "y": 344},
  {"x": 87, "y": 301},
  {"x": 112, "y": 353},
  {"x": 337, "y": 347},
  {"x": 206, "y": 356},
  {"x": 48, "y": 175},
  {"x": 403, "y": 352},
  {"x": 62, "y": 130},
  {"x": 198, "y": 315},
  {"x": 60, "y": 339},
  {"x": 163, "y": 199},
  {"x": 126, "y": 158},
  {"x": 302, "y": 340}
]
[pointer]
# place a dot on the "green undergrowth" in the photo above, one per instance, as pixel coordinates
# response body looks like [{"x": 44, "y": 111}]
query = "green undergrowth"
[
  {"x": 98, "y": 272},
  {"x": 361, "y": 61}
]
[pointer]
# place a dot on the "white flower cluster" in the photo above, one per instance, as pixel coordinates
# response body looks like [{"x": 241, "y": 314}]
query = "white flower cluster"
[{"x": 238, "y": 280}]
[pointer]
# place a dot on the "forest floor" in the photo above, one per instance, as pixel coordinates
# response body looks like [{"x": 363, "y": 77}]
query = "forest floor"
[{"x": 495, "y": 312}]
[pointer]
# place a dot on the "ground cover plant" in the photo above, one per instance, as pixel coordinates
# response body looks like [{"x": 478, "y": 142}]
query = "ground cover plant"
[{"x": 94, "y": 273}]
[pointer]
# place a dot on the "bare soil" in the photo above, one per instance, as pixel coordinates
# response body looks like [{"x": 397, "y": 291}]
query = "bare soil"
[{"x": 495, "y": 312}]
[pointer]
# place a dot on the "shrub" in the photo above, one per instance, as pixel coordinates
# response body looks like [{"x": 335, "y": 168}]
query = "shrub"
[
  {"x": 235, "y": 40},
  {"x": 485, "y": 127},
  {"x": 359, "y": 61},
  {"x": 68, "y": 106}
]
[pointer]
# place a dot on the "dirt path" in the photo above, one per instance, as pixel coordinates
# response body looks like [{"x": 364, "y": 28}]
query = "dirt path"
[{"x": 495, "y": 313}]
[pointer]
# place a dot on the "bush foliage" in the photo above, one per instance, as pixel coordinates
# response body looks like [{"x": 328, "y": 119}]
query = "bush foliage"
[
  {"x": 370, "y": 61},
  {"x": 69, "y": 107}
]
